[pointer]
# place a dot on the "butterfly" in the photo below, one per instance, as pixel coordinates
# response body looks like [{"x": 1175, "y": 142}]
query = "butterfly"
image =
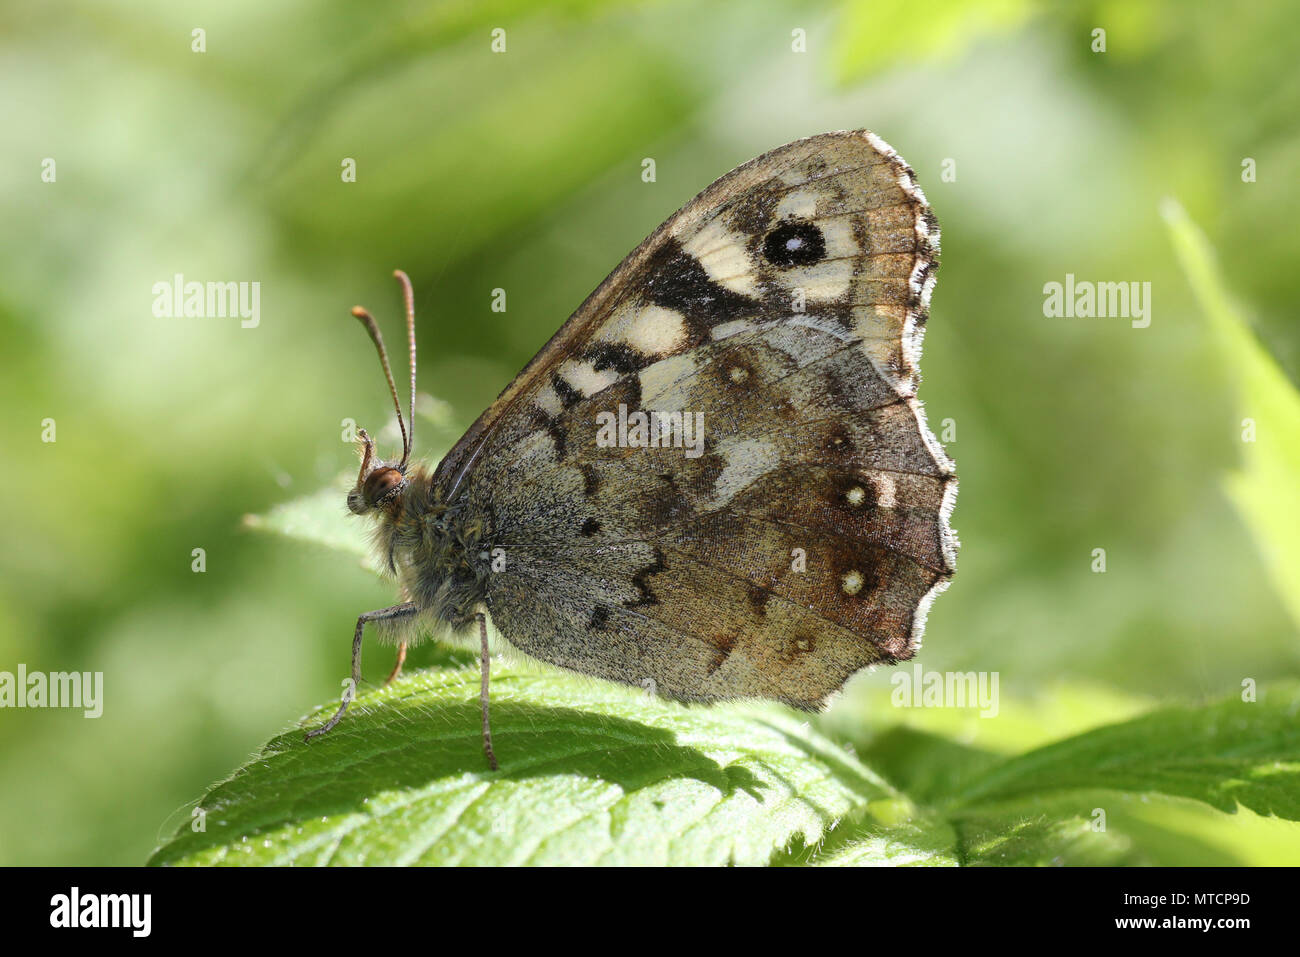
[{"x": 715, "y": 481}]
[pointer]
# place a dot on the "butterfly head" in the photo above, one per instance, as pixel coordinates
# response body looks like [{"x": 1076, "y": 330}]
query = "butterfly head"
[{"x": 380, "y": 484}]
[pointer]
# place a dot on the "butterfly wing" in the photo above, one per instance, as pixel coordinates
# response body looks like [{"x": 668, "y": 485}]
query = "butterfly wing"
[{"x": 795, "y": 528}]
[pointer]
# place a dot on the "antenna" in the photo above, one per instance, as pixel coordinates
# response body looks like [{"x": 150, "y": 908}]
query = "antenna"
[
  {"x": 409, "y": 295},
  {"x": 368, "y": 321}
]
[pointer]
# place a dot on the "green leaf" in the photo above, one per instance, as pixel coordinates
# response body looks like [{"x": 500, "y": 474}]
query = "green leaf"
[
  {"x": 1264, "y": 489},
  {"x": 906, "y": 846},
  {"x": 321, "y": 518},
  {"x": 1064, "y": 829},
  {"x": 590, "y": 773},
  {"x": 891, "y": 834},
  {"x": 929, "y": 753},
  {"x": 1224, "y": 754},
  {"x": 1028, "y": 839},
  {"x": 926, "y": 767}
]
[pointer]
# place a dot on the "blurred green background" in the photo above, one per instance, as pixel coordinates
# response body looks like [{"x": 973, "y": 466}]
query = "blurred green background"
[{"x": 522, "y": 171}]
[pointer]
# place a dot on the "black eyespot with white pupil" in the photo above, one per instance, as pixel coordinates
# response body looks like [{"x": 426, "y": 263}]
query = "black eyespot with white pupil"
[{"x": 795, "y": 242}]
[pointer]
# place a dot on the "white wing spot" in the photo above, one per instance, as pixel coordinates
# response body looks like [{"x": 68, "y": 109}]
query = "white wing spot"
[
  {"x": 657, "y": 331},
  {"x": 747, "y": 461},
  {"x": 723, "y": 255},
  {"x": 584, "y": 377},
  {"x": 548, "y": 401},
  {"x": 886, "y": 491},
  {"x": 650, "y": 330},
  {"x": 799, "y": 203}
]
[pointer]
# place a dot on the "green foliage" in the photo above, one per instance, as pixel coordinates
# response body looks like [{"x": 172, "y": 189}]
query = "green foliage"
[
  {"x": 590, "y": 774},
  {"x": 311, "y": 519},
  {"x": 1264, "y": 488},
  {"x": 522, "y": 171},
  {"x": 1227, "y": 753},
  {"x": 874, "y": 35}
]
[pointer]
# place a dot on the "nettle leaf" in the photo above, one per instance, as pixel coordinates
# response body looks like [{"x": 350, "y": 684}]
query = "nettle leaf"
[
  {"x": 591, "y": 773},
  {"x": 927, "y": 767},
  {"x": 1043, "y": 840},
  {"x": 890, "y": 834},
  {"x": 1224, "y": 754},
  {"x": 907, "y": 846},
  {"x": 1066, "y": 829},
  {"x": 321, "y": 518}
]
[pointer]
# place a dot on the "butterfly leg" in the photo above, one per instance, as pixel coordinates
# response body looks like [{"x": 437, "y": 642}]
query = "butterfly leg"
[
  {"x": 396, "y": 611},
  {"x": 397, "y": 667},
  {"x": 484, "y": 663}
]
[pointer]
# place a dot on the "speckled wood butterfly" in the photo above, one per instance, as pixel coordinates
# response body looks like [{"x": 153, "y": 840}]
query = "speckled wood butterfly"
[{"x": 715, "y": 481}]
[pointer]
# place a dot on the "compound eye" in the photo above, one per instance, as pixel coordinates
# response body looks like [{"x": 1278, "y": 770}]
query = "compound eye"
[{"x": 380, "y": 484}]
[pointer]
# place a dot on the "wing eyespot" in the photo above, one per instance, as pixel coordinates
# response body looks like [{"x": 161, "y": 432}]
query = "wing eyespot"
[{"x": 794, "y": 242}]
